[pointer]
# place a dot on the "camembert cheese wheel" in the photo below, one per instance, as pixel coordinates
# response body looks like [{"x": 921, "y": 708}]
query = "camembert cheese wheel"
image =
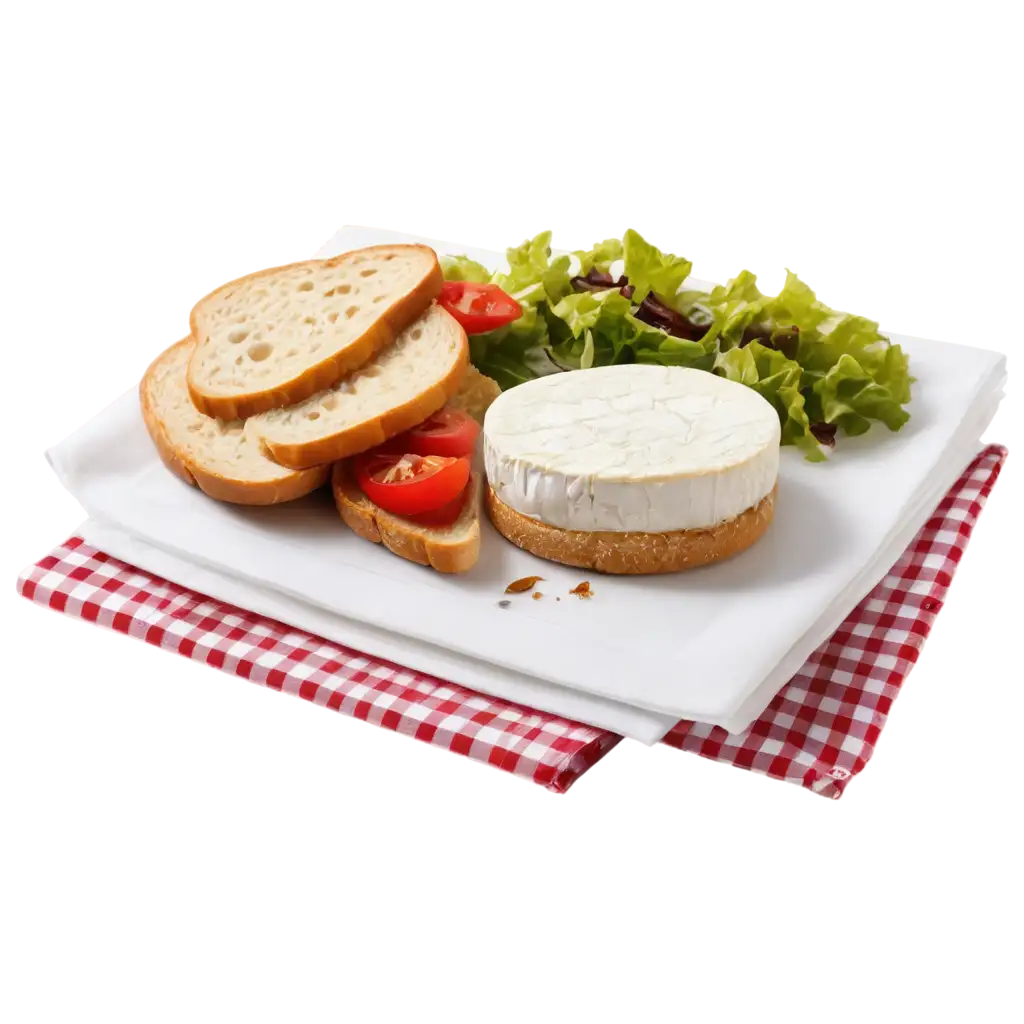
[{"x": 632, "y": 468}]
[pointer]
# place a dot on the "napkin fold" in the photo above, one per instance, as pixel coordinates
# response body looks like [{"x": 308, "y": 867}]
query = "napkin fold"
[{"x": 636, "y": 723}]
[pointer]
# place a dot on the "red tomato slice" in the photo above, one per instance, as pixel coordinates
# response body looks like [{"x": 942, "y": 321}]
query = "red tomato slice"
[
  {"x": 478, "y": 307},
  {"x": 446, "y": 514},
  {"x": 409, "y": 484},
  {"x": 448, "y": 432}
]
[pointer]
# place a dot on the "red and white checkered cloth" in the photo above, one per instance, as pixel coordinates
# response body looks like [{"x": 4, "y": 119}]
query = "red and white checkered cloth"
[{"x": 819, "y": 732}]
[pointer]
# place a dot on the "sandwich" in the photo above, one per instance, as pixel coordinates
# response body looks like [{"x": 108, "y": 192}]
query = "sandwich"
[
  {"x": 436, "y": 458},
  {"x": 632, "y": 469}
]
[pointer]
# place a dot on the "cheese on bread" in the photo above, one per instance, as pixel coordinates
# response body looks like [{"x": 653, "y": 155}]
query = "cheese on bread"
[
  {"x": 631, "y": 448},
  {"x": 631, "y": 469}
]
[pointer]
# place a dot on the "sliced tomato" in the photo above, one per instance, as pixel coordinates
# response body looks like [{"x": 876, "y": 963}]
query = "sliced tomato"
[
  {"x": 409, "y": 484},
  {"x": 478, "y": 307},
  {"x": 448, "y": 432},
  {"x": 446, "y": 514}
]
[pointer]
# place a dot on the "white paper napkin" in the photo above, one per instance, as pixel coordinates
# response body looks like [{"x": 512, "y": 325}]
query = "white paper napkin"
[{"x": 638, "y": 724}]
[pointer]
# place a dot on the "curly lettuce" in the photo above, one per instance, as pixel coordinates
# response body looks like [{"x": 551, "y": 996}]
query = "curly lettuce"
[
  {"x": 650, "y": 270},
  {"x": 823, "y": 371}
]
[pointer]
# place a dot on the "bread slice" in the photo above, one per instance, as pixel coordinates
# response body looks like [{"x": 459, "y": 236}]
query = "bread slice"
[
  {"x": 632, "y": 553},
  {"x": 407, "y": 382},
  {"x": 212, "y": 454},
  {"x": 278, "y": 336},
  {"x": 475, "y": 394},
  {"x": 449, "y": 549}
]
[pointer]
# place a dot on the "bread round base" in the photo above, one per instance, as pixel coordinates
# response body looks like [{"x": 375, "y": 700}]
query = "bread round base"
[{"x": 632, "y": 553}]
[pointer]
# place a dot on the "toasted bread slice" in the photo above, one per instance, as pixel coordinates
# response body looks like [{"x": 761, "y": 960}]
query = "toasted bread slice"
[
  {"x": 212, "y": 454},
  {"x": 475, "y": 394},
  {"x": 452, "y": 548},
  {"x": 448, "y": 549},
  {"x": 276, "y": 337},
  {"x": 632, "y": 553},
  {"x": 405, "y": 384}
]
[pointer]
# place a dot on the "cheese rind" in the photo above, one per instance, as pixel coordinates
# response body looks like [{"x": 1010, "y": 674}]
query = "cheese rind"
[{"x": 631, "y": 448}]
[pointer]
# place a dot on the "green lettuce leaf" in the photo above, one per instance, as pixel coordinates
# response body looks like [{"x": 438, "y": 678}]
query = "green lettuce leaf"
[
  {"x": 519, "y": 351},
  {"x": 733, "y": 324},
  {"x": 650, "y": 270},
  {"x": 527, "y": 264},
  {"x": 740, "y": 304},
  {"x": 854, "y": 375},
  {"x": 668, "y": 357},
  {"x": 814, "y": 364},
  {"x": 653, "y": 345},
  {"x": 851, "y": 398},
  {"x": 798, "y": 306},
  {"x": 462, "y": 268},
  {"x": 598, "y": 329},
  {"x": 739, "y": 291},
  {"x": 533, "y": 277},
  {"x": 583, "y": 310},
  {"x": 737, "y": 364},
  {"x": 602, "y": 255},
  {"x": 777, "y": 379},
  {"x": 595, "y": 329},
  {"x": 860, "y": 338},
  {"x": 514, "y": 353}
]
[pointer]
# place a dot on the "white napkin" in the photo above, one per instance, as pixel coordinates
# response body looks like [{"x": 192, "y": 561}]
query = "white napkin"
[
  {"x": 713, "y": 644},
  {"x": 640, "y": 727},
  {"x": 645, "y": 726}
]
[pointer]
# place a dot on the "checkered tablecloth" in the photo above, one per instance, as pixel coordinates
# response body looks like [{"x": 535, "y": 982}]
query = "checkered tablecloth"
[{"x": 819, "y": 731}]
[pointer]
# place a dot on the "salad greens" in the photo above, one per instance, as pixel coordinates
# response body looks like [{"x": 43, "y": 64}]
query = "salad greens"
[{"x": 823, "y": 371}]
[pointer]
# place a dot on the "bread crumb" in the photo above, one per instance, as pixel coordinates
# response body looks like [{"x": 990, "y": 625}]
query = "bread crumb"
[
  {"x": 519, "y": 586},
  {"x": 537, "y": 595},
  {"x": 582, "y": 590}
]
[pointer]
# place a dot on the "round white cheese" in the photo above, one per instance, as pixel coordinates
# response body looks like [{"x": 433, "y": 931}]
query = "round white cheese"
[{"x": 633, "y": 447}]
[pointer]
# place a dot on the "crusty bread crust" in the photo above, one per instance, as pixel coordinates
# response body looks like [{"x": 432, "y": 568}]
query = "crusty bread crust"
[
  {"x": 246, "y": 492},
  {"x": 632, "y": 553},
  {"x": 335, "y": 366},
  {"x": 167, "y": 452},
  {"x": 237, "y": 491},
  {"x": 451, "y": 549},
  {"x": 366, "y": 435}
]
